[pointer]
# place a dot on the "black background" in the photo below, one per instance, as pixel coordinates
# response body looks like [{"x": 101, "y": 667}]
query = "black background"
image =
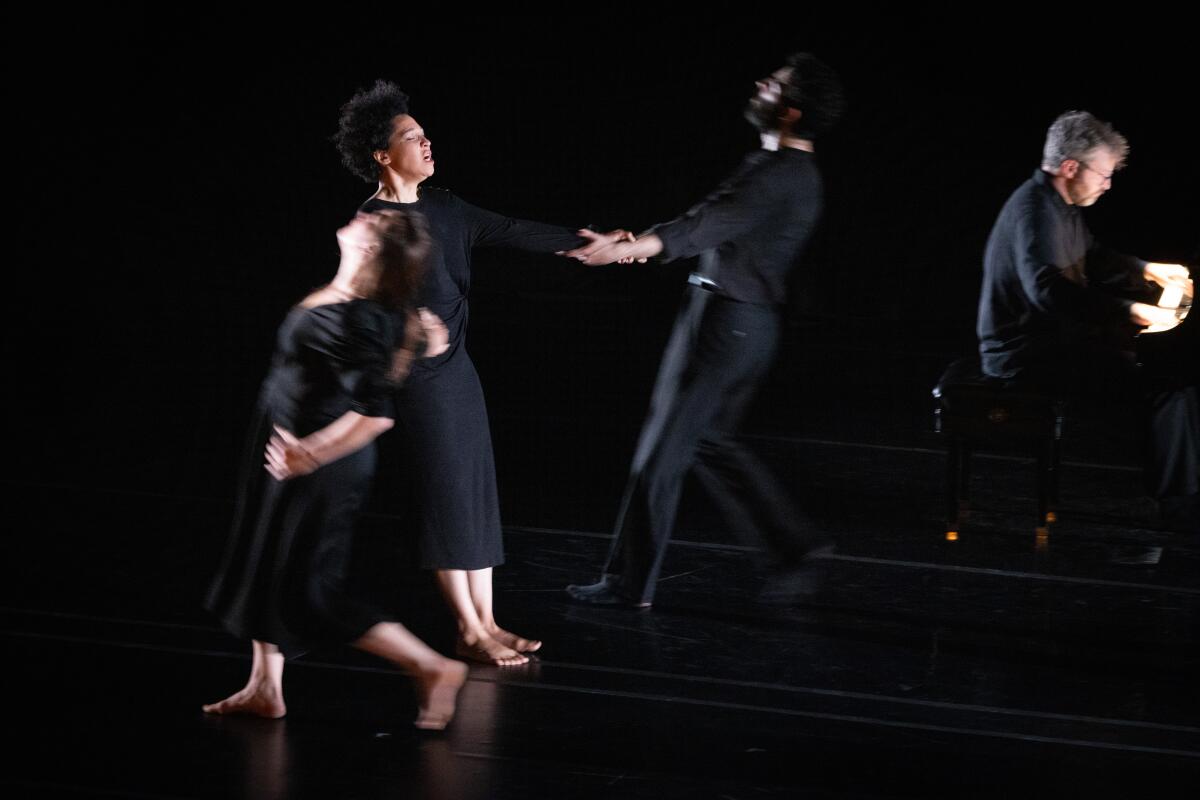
[{"x": 179, "y": 190}]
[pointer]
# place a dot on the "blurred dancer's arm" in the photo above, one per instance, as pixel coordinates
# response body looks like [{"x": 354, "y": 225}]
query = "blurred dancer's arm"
[{"x": 289, "y": 457}]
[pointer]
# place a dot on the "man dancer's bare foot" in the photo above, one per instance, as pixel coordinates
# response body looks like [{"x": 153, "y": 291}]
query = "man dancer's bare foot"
[
  {"x": 512, "y": 641},
  {"x": 257, "y": 699},
  {"x": 604, "y": 593},
  {"x": 437, "y": 690},
  {"x": 486, "y": 650}
]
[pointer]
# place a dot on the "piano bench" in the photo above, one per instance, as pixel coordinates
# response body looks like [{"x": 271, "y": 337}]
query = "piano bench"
[{"x": 976, "y": 412}]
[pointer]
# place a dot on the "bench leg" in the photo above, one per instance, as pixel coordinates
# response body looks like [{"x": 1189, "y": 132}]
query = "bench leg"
[
  {"x": 1045, "y": 478},
  {"x": 953, "y": 467},
  {"x": 1055, "y": 460},
  {"x": 964, "y": 482}
]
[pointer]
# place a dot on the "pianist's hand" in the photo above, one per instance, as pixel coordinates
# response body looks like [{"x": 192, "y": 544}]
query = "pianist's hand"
[
  {"x": 1166, "y": 275},
  {"x": 1147, "y": 315}
]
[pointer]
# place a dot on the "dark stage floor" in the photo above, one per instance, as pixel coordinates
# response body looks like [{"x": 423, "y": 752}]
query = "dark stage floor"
[
  {"x": 180, "y": 190},
  {"x": 993, "y": 665}
]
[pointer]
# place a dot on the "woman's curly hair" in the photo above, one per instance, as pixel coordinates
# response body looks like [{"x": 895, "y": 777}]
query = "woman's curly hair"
[{"x": 366, "y": 126}]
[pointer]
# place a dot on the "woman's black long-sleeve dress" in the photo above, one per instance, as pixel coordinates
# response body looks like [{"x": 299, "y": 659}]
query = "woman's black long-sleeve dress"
[
  {"x": 282, "y": 578},
  {"x": 441, "y": 416}
]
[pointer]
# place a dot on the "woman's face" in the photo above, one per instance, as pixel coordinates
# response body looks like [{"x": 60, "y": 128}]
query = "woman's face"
[
  {"x": 409, "y": 153},
  {"x": 358, "y": 235}
]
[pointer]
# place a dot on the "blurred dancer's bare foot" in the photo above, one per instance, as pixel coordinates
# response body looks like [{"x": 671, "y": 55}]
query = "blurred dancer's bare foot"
[
  {"x": 437, "y": 692},
  {"x": 259, "y": 699}
]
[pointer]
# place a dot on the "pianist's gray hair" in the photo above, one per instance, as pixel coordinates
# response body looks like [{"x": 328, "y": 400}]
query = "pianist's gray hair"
[{"x": 1075, "y": 134}]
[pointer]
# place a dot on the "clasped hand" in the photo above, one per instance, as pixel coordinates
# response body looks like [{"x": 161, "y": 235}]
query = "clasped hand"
[{"x": 605, "y": 248}]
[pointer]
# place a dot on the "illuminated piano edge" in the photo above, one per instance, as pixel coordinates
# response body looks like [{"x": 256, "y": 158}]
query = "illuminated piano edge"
[{"x": 1172, "y": 297}]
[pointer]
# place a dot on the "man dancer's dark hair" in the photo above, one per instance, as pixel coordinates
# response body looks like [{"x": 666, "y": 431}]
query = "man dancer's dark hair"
[{"x": 816, "y": 91}]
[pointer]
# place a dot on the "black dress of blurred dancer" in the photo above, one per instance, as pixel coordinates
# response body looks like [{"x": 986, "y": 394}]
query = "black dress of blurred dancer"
[
  {"x": 749, "y": 233},
  {"x": 327, "y": 396}
]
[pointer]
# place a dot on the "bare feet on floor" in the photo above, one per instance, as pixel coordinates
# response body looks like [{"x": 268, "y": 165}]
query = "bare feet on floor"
[
  {"x": 259, "y": 700},
  {"x": 603, "y": 593},
  {"x": 512, "y": 641},
  {"x": 486, "y": 650},
  {"x": 437, "y": 690}
]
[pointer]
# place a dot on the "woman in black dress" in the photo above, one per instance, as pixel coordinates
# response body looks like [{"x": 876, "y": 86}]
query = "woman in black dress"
[
  {"x": 440, "y": 412},
  {"x": 326, "y": 398}
]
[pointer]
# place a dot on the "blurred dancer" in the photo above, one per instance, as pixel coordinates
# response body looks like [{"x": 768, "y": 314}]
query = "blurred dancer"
[{"x": 326, "y": 398}]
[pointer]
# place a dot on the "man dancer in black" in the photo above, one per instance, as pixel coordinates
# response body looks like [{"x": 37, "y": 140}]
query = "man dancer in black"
[
  {"x": 1055, "y": 307},
  {"x": 749, "y": 233}
]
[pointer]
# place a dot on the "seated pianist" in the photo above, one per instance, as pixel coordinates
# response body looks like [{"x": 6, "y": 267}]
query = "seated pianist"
[{"x": 1058, "y": 310}]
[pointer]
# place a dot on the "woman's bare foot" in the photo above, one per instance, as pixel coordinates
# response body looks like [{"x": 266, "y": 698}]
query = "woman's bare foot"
[
  {"x": 437, "y": 691},
  {"x": 512, "y": 641},
  {"x": 486, "y": 650},
  {"x": 257, "y": 699}
]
